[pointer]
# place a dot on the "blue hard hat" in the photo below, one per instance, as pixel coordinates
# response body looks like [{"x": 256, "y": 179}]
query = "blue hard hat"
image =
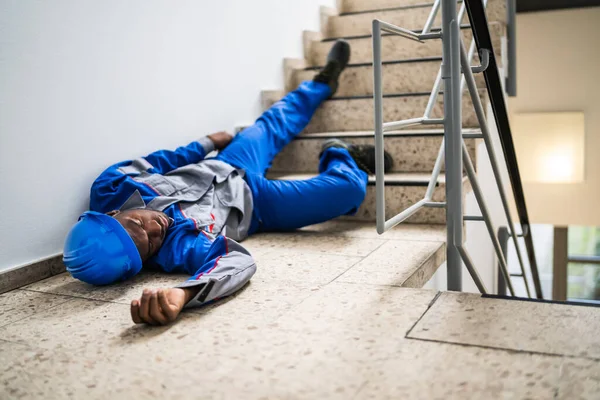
[{"x": 98, "y": 250}]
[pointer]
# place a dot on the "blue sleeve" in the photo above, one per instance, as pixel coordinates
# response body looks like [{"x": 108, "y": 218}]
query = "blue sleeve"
[
  {"x": 109, "y": 190},
  {"x": 184, "y": 250},
  {"x": 226, "y": 269},
  {"x": 219, "y": 267},
  {"x": 164, "y": 161}
]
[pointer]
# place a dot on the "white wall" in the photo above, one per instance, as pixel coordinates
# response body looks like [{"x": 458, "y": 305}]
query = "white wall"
[
  {"x": 84, "y": 84},
  {"x": 558, "y": 60}
]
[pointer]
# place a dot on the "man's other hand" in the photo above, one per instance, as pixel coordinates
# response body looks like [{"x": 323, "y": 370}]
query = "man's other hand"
[
  {"x": 221, "y": 139},
  {"x": 159, "y": 307}
]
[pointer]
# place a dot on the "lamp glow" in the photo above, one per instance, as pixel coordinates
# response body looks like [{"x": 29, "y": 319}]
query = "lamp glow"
[{"x": 550, "y": 146}]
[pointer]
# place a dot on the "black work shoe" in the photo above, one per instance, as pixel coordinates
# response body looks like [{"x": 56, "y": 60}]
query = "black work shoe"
[
  {"x": 362, "y": 154},
  {"x": 337, "y": 59}
]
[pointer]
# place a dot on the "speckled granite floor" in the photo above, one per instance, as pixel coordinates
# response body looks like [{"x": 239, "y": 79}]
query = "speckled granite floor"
[
  {"x": 333, "y": 312},
  {"x": 324, "y": 317}
]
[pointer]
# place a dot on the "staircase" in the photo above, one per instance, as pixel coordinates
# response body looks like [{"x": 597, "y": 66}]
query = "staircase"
[
  {"x": 409, "y": 72},
  {"x": 330, "y": 313}
]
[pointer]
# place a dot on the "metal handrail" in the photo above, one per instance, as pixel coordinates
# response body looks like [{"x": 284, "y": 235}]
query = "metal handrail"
[
  {"x": 481, "y": 35},
  {"x": 511, "y": 47},
  {"x": 378, "y": 27},
  {"x": 457, "y": 72}
]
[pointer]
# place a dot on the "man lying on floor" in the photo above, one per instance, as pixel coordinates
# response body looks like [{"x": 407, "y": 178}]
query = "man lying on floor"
[{"x": 180, "y": 212}]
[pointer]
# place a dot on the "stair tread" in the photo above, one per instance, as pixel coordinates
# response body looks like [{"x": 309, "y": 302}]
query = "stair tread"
[
  {"x": 335, "y": 238},
  {"x": 355, "y": 6},
  {"x": 366, "y": 230},
  {"x": 413, "y": 18},
  {"x": 413, "y": 151},
  {"x": 399, "y": 178},
  {"x": 394, "y": 47},
  {"x": 368, "y": 134},
  {"x": 399, "y": 78},
  {"x": 388, "y": 62},
  {"x": 399, "y": 94},
  {"x": 466, "y": 319},
  {"x": 394, "y": 8},
  {"x": 358, "y": 37}
]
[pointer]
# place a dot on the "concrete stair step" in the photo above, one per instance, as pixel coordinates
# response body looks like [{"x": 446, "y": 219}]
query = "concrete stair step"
[
  {"x": 519, "y": 325},
  {"x": 416, "y": 76},
  {"x": 403, "y": 189},
  {"x": 414, "y": 252},
  {"x": 356, "y": 113},
  {"x": 353, "y": 6},
  {"x": 412, "y": 18},
  {"x": 413, "y": 150},
  {"x": 394, "y": 47}
]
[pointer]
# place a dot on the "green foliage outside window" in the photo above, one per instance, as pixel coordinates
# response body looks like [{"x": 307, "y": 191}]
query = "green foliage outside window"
[{"x": 584, "y": 279}]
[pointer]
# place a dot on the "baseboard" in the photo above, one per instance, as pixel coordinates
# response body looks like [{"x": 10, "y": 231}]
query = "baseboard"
[{"x": 27, "y": 274}]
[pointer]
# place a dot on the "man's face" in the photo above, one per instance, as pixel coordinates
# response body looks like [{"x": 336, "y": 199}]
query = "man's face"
[{"x": 147, "y": 228}]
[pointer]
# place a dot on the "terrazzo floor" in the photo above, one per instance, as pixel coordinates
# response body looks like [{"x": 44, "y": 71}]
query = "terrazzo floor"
[{"x": 325, "y": 317}]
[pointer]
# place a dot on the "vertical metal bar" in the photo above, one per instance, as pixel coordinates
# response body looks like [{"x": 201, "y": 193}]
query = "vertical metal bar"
[
  {"x": 487, "y": 139},
  {"x": 453, "y": 141},
  {"x": 486, "y": 216},
  {"x": 503, "y": 239},
  {"x": 461, "y": 14},
  {"x": 511, "y": 35},
  {"x": 438, "y": 79},
  {"x": 471, "y": 268},
  {"x": 431, "y": 18},
  {"x": 561, "y": 260},
  {"x": 471, "y": 48},
  {"x": 436, "y": 173},
  {"x": 470, "y": 58},
  {"x": 481, "y": 33},
  {"x": 379, "y": 152},
  {"x": 434, "y": 94}
]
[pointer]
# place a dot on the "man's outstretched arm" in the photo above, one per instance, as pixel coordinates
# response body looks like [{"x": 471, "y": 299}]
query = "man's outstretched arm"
[
  {"x": 109, "y": 190},
  {"x": 164, "y": 161},
  {"x": 227, "y": 267}
]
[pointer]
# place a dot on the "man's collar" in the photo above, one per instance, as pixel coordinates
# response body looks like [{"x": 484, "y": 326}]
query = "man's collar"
[{"x": 134, "y": 202}]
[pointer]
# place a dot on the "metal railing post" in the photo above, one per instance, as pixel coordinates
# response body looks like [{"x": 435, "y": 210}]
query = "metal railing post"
[
  {"x": 378, "y": 105},
  {"x": 451, "y": 75},
  {"x": 503, "y": 239},
  {"x": 483, "y": 39},
  {"x": 486, "y": 216},
  {"x": 480, "y": 112},
  {"x": 455, "y": 60}
]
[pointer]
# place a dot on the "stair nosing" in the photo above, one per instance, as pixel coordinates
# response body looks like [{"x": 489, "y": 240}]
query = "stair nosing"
[
  {"x": 371, "y": 182},
  {"x": 350, "y": 13},
  {"x": 392, "y": 62},
  {"x": 393, "y": 95},
  {"x": 370, "y": 134},
  {"x": 332, "y": 39},
  {"x": 408, "y": 7},
  {"x": 403, "y": 183},
  {"x": 389, "y": 95}
]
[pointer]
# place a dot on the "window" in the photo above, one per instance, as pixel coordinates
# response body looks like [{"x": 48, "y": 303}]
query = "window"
[{"x": 584, "y": 263}]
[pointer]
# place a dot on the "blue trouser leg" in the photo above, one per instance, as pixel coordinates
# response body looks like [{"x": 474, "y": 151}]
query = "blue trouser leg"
[
  {"x": 287, "y": 205},
  {"x": 255, "y": 147},
  {"x": 339, "y": 189}
]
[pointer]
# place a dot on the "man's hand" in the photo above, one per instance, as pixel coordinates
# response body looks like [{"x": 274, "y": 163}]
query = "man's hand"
[
  {"x": 221, "y": 139},
  {"x": 160, "y": 307}
]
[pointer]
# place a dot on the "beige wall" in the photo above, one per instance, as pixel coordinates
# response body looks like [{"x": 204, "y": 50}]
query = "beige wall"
[{"x": 558, "y": 67}]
